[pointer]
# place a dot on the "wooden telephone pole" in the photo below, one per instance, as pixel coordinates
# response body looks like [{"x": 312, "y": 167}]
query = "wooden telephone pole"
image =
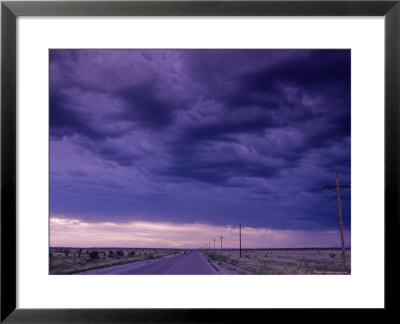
[
  {"x": 214, "y": 245},
  {"x": 221, "y": 241},
  {"x": 240, "y": 238},
  {"x": 339, "y": 188}
]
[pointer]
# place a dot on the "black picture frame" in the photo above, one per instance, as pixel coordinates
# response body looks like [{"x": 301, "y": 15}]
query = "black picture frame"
[{"x": 10, "y": 10}]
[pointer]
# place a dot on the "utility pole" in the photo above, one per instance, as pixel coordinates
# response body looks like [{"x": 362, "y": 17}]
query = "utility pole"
[
  {"x": 221, "y": 241},
  {"x": 214, "y": 244},
  {"x": 338, "y": 189},
  {"x": 240, "y": 239}
]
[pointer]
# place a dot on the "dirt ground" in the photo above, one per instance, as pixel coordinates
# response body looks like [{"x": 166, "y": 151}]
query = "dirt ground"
[
  {"x": 267, "y": 261},
  {"x": 296, "y": 261}
]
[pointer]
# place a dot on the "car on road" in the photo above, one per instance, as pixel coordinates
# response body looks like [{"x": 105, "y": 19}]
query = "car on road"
[{"x": 185, "y": 252}]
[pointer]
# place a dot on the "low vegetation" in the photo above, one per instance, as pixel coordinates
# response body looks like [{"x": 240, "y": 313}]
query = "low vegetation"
[
  {"x": 282, "y": 261},
  {"x": 75, "y": 260}
]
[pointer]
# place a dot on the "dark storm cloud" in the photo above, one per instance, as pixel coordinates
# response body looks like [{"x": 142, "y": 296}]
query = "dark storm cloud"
[
  {"x": 121, "y": 157},
  {"x": 220, "y": 172},
  {"x": 146, "y": 108},
  {"x": 65, "y": 121},
  {"x": 175, "y": 129},
  {"x": 221, "y": 130},
  {"x": 315, "y": 71}
]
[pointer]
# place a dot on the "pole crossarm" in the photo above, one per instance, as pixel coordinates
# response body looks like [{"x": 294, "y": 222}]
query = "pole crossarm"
[{"x": 334, "y": 188}]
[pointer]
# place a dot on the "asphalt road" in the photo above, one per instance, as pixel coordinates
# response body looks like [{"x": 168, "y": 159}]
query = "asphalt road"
[{"x": 192, "y": 263}]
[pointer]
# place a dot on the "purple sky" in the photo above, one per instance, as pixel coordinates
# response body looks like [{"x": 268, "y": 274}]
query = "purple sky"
[{"x": 212, "y": 137}]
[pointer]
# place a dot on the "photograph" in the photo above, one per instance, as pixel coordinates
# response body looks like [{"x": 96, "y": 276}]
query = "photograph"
[{"x": 199, "y": 161}]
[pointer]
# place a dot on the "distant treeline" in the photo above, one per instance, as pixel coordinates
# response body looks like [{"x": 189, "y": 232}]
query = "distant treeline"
[
  {"x": 294, "y": 249},
  {"x": 114, "y": 248},
  {"x": 225, "y": 249},
  {"x": 283, "y": 249}
]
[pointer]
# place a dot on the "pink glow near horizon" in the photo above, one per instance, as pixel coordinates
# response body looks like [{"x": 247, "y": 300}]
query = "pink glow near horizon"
[{"x": 141, "y": 234}]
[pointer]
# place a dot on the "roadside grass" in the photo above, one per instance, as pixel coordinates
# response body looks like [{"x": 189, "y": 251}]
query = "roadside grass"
[
  {"x": 81, "y": 267},
  {"x": 298, "y": 261},
  {"x": 266, "y": 270},
  {"x": 212, "y": 264},
  {"x": 79, "y": 260},
  {"x": 225, "y": 262},
  {"x": 218, "y": 257}
]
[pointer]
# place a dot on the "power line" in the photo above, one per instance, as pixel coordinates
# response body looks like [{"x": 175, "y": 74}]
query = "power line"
[{"x": 203, "y": 246}]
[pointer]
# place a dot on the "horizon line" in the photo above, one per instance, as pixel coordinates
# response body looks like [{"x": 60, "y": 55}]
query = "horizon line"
[{"x": 211, "y": 249}]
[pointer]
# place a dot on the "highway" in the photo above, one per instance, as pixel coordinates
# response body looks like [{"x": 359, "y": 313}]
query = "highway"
[{"x": 192, "y": 263}]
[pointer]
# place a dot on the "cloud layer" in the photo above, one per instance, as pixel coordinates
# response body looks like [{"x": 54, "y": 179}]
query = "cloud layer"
[
  {"x": 200, "y": 136},
  {"x": 66, "y": 232}
]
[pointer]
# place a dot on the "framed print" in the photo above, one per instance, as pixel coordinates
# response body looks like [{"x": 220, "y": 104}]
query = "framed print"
[{"x": 159, "y": 157}]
